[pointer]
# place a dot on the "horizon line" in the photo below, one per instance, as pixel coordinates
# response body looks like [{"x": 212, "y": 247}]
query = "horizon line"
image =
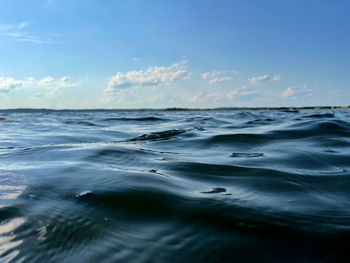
[{"x": 181, "y": 108}]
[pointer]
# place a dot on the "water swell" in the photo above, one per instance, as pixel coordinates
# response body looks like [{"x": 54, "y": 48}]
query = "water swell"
[
  {"x": 157, "y": 136},
  {"x": 180, "y": 186}
]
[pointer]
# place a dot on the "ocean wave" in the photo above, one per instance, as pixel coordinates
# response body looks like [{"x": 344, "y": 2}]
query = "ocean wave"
[{"x": 175, "y": 186}]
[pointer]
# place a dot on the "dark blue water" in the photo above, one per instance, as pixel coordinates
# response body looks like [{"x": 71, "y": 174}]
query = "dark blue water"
[{"x": 175, "y": 186}]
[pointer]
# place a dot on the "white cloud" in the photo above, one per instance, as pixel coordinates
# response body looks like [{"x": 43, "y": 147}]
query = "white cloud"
[
  {"x": 52, "y": 87},
  {"x": 215, "y": 77},
  {"x": 153, "y": 76},
  {"x": 46, "y": 80},
  {"x": 7, "y": 27},
  {"x": 16, "y": 32},
  {"x": 276, "y": 77},
  {"x": 22, "y": 25},
  {"x": 7, "y": 84},
  {"x": 219, "y": 80},
  {"x": 263, "y": 78},
  {"x": 199, "y": 96},
  {"x": 258, "y": 79},
  {"x": 65, "y": 79},
  {"x": 295, "y": 91},
  {"x": 205, "y": 97},
  {"x": 243, "y": 91},
  {"x": 48, "y": 83},
  {"x": 213, "y": 74}
]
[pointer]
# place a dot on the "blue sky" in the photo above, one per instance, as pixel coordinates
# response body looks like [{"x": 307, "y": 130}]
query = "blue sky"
[{"x": 183, "y": 53}]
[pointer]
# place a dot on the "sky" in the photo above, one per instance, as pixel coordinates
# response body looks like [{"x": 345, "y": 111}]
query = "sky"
[{"x": 174, "y": 53}]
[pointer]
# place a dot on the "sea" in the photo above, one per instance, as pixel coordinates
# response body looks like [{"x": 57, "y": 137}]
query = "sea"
[{"x": 165, "y": 186}]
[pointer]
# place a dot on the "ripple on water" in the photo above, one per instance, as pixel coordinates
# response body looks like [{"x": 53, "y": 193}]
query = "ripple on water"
[{"x": 175, "y": 186}]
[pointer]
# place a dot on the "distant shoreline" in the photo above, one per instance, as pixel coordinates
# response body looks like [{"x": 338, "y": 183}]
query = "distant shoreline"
[{"x": 285, "y": 109}]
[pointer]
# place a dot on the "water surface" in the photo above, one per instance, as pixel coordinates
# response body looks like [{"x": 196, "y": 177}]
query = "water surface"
[{"x": 174, "y": 186}]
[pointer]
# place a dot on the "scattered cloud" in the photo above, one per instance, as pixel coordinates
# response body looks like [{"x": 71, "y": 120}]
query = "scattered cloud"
[
  {"x": 8, "y": 84},
  {"x": 296, "y": 91},
  {"x": 153, "y": 76},
  {"x": 65, "y": 79},
  {"x": 243, "y": 91},
  {"x": 46, "y": 80},
  {"x": 217, "y": 96},
  {"x": 49, "y": 87},
  {"x": 213, "y": 74},
  {"x": 203, "y": 96},
  {"x": 264, "y": 78},
  {"x": 16, "y": 32},
  {"x": 215, "y": 77},
  {"x": 54, "y": 86},
  {"x": 219, "y": 80},
  {"x": 8, "y": 27},
  {"x": 276, "y": 77}
]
